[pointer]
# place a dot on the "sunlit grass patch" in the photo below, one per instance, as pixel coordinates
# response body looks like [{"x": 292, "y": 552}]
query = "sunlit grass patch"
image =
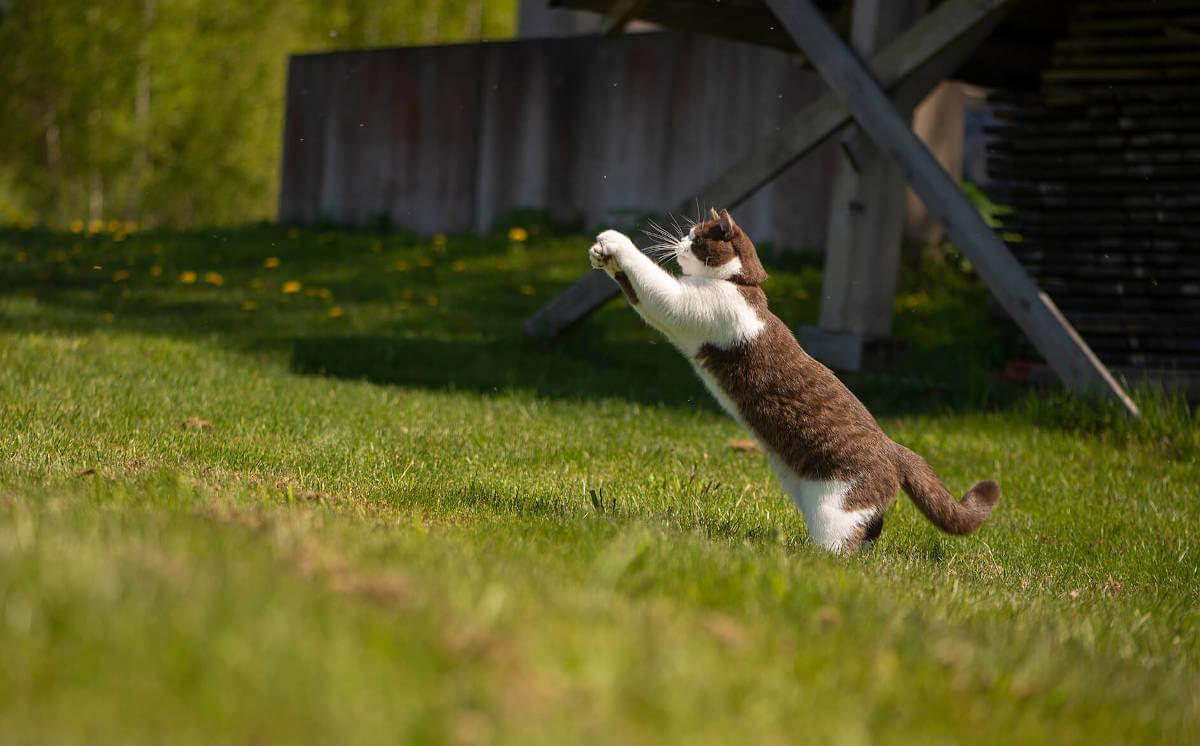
[{"x": 370, "y": 511}]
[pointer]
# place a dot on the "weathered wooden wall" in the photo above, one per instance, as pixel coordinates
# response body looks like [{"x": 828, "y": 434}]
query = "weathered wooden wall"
[{"x": 446, "y": 138}]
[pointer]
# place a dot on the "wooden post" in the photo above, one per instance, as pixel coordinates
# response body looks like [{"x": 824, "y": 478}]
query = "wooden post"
[
  {"x": 910, "y": 67},
  {"x": 862, "y": 252},
  {"x": 1032, "y": 309}
]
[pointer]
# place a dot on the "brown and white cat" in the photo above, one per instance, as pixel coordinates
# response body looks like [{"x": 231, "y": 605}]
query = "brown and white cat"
[{"x": 828, "y": 452}]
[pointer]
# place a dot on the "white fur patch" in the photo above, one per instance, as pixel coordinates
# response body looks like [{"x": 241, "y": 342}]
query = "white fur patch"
[
  {"x": 830, "y": 525},
  {"x": 691, "y": 311}
]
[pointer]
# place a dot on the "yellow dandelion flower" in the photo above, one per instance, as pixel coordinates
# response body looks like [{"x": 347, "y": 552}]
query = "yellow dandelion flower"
[
  {"x": 293, "y": 234},
  {"x": 213, "y": 278},
  {"x": 120, "y": 276},
  {"x": 22, "y": 257},
  {"x": 518, "y": 234},
  {"x": 156, "y": 271},
  {"x": 187, "y": 277},
  {"x": 95, "y": 226},
  {"x": 76, "y": 226},
  {"x": 458, "y": 266},
  {"x": 256, "y": 284},
  {"x": 272, "y": 262},
  {"x": 129, "y": 226},
  {"x": 249, "y": 305},
  {"x": 432, "y": 300},
  {"x": 325, "y": 293},
  {"x": 424, "y": 262},
  {"x": 439, "y": 241},
  {"x": 400, "y": 266},
  {"x": 376, "y": 246},
  {"x": 108, "y": 316},
  {"x": 528, "y": 290},
  {"x": 292, "y": 286},
  {"x": 118, "y": 236},
  {"x": 402, "y": 305},
  {"x": 335, "y": 312},
  {"x": 114, "y": 225}
]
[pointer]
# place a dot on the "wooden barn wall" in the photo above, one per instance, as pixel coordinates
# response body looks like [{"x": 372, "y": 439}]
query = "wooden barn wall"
[{"x": 446, "y": 138}]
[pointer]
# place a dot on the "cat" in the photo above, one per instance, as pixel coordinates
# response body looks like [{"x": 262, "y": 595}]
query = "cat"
[{"x": 829, "y": 454}]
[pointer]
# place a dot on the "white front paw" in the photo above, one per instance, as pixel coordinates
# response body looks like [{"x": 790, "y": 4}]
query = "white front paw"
[
  {"x": 601, "y": 257},
  {"x": 606, "y": 252}
]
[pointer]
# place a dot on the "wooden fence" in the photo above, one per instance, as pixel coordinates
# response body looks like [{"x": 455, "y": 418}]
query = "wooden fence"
[{"x": 446, "y": 138}]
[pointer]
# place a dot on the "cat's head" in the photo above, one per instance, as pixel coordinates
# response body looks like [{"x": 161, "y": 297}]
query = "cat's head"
[{"x": 720, "y": 249}]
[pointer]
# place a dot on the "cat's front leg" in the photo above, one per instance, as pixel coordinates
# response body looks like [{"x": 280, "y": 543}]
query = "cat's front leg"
[
  {"x": 606, "y": 254},
  {"x": 650, "y": 290}
]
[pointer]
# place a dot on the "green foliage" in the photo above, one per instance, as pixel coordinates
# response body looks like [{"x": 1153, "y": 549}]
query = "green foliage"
[{"x": 169, "y": 112}]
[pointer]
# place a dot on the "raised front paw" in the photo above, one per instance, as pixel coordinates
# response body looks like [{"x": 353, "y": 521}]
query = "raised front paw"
[
  {"x": 601, "y": 257},
  {"x": 605, "y": 253}
]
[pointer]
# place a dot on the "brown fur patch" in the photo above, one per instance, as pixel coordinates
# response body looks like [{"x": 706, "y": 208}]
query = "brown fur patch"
[
  {"x": 626, "y": 287},
  {"x": 808, "y": 417},
  {"x": 720, "y": 240}
]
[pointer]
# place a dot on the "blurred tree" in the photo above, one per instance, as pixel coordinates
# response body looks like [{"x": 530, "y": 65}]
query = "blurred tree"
[{"x": 169, "y": 112}]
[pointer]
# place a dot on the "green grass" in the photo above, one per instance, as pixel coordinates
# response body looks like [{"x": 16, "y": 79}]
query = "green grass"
[{"x": 406, "y": 525}]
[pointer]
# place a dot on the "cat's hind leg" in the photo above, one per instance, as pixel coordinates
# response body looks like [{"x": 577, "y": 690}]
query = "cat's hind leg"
[
  {"x": 870, "y": 498},
  {"x": 842, "y": 517}
]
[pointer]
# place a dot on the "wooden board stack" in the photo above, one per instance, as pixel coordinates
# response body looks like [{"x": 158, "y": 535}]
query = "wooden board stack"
[{"x": 1101, "y": 168}]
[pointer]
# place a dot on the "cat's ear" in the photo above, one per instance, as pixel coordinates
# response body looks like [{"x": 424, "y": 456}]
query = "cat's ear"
[
  {"x": 712, "y": 211},
  {"x": 728, "y": 227}
]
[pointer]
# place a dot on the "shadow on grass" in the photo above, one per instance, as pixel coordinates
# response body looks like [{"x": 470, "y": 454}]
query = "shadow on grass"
[
  {"x": 591, "y": 368},
  {"x": 450, "y": 320},
  {"x": 639, "y": 372}
]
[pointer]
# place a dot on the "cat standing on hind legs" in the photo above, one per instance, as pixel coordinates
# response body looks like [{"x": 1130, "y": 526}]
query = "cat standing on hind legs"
[{"x": 829, "y": 454}]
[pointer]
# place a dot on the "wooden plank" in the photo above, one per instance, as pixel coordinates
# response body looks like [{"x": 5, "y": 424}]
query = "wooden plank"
[
  {"x": 910, "y": 67},
  {"x": 866, "y": 215},
  {"x": 739, "y": 20},
  {"x": 1134, "y": 7},
  {"x": 1185, "y": 382},
  {"x": 622, "y": 12},
  {"x": 1032, "y": 309},
  {"x": 566, "y": 309}
]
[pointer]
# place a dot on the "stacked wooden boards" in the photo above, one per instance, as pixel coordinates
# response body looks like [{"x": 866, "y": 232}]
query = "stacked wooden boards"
[{"x": 1101, "y": 169}]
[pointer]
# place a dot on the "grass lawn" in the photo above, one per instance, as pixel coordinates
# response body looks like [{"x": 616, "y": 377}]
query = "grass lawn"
[{"x": 272, "y": 486}]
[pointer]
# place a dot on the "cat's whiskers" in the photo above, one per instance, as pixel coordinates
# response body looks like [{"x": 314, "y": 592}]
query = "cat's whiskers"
[{"x": 657, "y": 231}]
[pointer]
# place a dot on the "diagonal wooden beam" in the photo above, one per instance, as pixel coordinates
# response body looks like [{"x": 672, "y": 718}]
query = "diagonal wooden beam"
[
  {"x": 909, "y": 67},
  {"x": 1037, "y": 315},
  {"x": 622, "y": 12}
]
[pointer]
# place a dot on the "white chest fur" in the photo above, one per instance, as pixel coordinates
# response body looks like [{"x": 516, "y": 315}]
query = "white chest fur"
[{"x": 709, "y": 311}]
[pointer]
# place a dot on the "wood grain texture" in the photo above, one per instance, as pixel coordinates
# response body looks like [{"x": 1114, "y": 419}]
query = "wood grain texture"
[
  {"x": 1032, "y": 309},
  {"x": 911, "y": 66}
]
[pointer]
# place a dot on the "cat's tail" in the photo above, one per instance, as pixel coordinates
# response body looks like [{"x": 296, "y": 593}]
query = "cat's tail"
[{"x": 935, "y": 501}]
